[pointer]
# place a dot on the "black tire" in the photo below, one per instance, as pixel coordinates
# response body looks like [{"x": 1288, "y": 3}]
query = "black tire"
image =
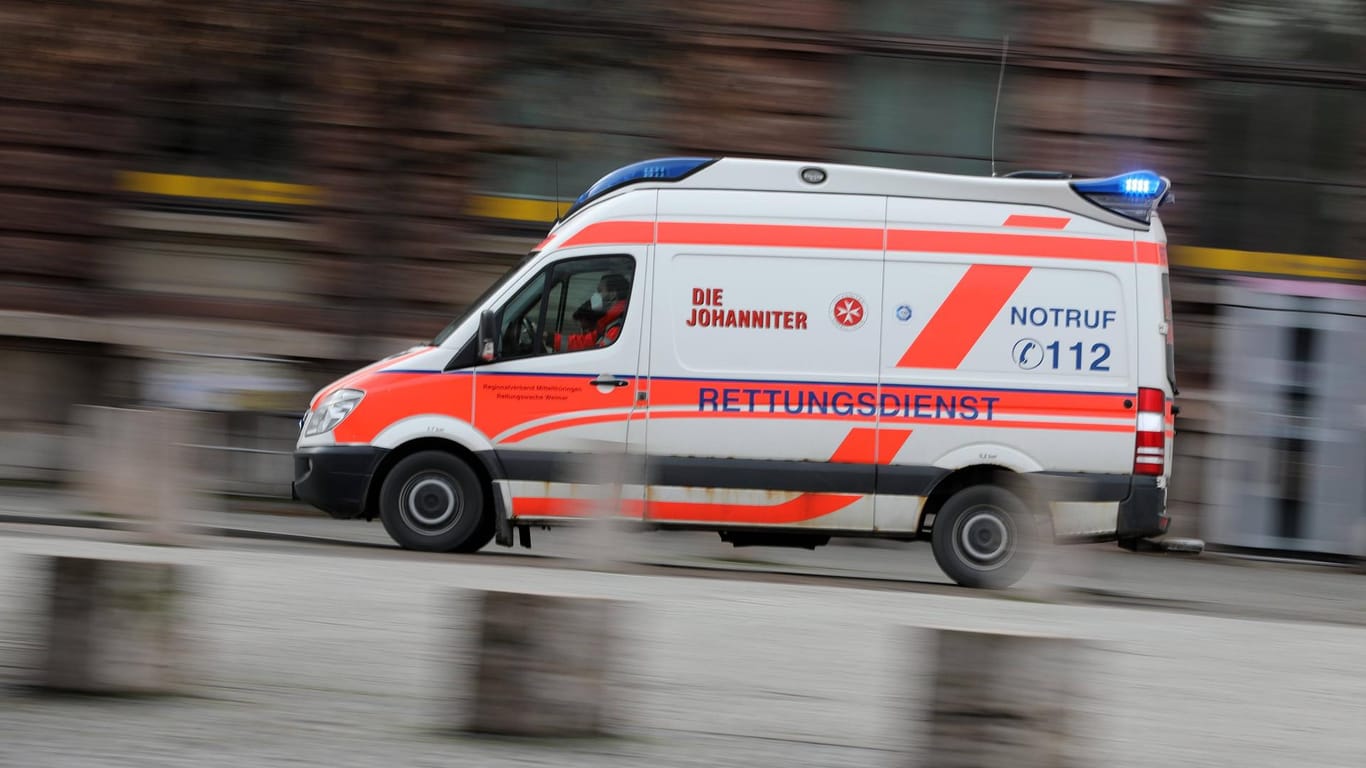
[
  {"x": 984, "y": 536},
  {"x": 433, "y": 501}
]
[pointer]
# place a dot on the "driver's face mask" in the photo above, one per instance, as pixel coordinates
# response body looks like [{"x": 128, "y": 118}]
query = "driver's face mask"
[{"x": 595, "y": 301}]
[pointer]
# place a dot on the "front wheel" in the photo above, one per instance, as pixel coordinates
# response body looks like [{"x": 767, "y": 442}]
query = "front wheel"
[
  {"x": 984, "y": 536},
  {"x": 433, "y": 501}
]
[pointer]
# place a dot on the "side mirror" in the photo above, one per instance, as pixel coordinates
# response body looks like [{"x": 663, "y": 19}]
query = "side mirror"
[{"x": 488, "y": 331}]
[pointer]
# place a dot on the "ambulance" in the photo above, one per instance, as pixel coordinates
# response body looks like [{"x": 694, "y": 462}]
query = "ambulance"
[{"x": 785, "y": 353}]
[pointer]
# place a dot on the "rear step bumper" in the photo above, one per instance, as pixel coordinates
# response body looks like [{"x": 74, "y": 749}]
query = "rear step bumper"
[{"x": 1144, "y": 513}]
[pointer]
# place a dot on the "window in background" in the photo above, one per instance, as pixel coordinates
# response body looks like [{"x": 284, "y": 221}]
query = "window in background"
[
  {"x": 921, "y": 114},
  {"x": 569, "y": 113},
  {"x": 909, "y": 105},
  {"x": 233, "y": 128},
  {"x": 1285, "y": 120},
  {"x": 1323, "y": 32},
  {"x": 1279, "y": 166},
  {"x": 933, "y": 18},
  {"x": 1127, "y": 25}
]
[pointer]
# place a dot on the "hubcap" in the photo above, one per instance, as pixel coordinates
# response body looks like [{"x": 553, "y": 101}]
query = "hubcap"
[
  {"x": 431, "y": 503},
  {"x": 983, "y": 539}
]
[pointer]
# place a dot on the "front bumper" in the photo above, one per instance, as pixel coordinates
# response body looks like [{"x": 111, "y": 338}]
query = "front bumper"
[{"x": 336, "y": 478}]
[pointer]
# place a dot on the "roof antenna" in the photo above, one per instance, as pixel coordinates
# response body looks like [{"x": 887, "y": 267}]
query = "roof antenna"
[
  {"x": 1005, "y": 48},
  {"x": 557, "y": 192}
]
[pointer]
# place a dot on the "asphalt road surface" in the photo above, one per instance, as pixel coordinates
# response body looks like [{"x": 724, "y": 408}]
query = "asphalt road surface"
[
  {"x": 1209, "y": 583},
  {"x": 328, "y": 646},
  {"x": 325, "y": 655}
]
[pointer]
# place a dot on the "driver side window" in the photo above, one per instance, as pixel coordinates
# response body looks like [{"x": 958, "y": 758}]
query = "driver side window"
[
  {"x": 572, "y": 305},
  {"x": 517, "y": 320}
]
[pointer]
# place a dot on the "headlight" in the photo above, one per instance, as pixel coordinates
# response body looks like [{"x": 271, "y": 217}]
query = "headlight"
[{"x": 332, "y": 411}]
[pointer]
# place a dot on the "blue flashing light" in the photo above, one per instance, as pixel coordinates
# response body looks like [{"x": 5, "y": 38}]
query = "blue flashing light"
[
  {"x": 1132, "y": 195},
  {"x": 1136, "y": 184},
  {"x": 660, "y": 169}
]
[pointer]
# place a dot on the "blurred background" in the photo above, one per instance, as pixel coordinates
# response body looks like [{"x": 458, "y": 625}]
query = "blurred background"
[{"x": 221, "y": 206}]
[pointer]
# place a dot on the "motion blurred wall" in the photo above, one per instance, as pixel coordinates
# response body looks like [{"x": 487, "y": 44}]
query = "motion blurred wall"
[{"x": 221, "y": 206}]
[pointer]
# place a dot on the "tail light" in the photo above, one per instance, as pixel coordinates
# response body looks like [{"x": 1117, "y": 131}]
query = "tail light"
[{"x": 1150, "y": 441}]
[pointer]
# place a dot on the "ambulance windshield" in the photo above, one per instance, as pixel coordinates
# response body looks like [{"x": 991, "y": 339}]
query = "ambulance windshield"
[{"x": 479, "y": 302}]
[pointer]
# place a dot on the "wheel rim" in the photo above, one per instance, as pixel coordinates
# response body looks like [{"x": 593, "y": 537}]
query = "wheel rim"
[
  {"x": 431, "y": 503},
  {"x": 983, "y": 538}
]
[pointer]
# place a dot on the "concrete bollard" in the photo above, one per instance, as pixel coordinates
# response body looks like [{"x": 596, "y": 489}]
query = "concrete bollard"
[
  {"x": 130, "y": 466},
  {"x": 602, "y": 476},
  {"x": 1357, "y": 564},
  {"x": 114, "y": 627},
  {"x": 543, "y": 665},
  {"x": 1000, "y": 700}
]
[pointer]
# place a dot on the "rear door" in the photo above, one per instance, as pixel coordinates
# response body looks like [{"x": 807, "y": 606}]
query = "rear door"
[
  {"x": 762, "y": 357},
  {"x": 1156, "y": 351},
  {"x": 1013, "y": 345}
]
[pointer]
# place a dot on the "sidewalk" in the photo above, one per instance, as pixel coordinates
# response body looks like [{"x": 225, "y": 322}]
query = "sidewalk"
[{"x": 332, "y": 660}]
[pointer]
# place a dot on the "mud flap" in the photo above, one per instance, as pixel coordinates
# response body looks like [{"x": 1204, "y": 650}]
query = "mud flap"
[{"x": 502, "y": 520}]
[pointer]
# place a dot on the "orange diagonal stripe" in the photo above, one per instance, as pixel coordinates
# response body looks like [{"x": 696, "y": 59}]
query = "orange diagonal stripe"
[
  {"x": 1037, "y": 222},
  {"x": 963, "y": 317},
  {"x": 858, "y": 447},
  {"x": 889, "y": 442},
  {"x": 867, "y": 445}
]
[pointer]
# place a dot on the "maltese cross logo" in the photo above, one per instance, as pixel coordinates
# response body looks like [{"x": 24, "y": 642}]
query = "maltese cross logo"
[{"x": 848, "y": 312}]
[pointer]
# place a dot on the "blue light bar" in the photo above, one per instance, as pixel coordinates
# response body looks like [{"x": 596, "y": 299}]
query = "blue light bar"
[
  {"x": 1132, "y": 195},
  {"x": 1137, "y": 184},
  {"x": 660, "y": 169}
]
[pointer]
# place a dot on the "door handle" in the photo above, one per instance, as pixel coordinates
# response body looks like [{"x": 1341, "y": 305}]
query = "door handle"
[{"x": 608, "y": 380}]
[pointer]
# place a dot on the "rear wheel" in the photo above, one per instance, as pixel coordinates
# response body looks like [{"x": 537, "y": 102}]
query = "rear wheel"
[
  {"x": 433, "y": 501},
  {"x": 984, "y": 536}
]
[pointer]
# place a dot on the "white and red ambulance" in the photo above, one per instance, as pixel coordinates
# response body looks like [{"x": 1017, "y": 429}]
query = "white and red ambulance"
[{"x": 786, "y": 352}]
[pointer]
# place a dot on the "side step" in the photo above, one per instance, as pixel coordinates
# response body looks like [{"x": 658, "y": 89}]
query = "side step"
[{"x": 765, "y": 539}]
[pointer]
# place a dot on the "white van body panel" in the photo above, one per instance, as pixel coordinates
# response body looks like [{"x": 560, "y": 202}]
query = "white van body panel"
[{"x": 817, "y": 357}]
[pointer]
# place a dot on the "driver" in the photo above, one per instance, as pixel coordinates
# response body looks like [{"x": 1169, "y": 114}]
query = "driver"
[
  {"x": 611, "y": 300},
  {"x": 586, "y": 316}
]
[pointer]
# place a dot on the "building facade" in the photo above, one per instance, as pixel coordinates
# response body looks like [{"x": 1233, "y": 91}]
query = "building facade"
[{"x": 220, "y": 206}]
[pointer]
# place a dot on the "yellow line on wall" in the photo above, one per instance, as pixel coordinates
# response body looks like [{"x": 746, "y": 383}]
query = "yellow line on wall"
[
  {"x": 1256, "y": 262},
  {"x": 517, "y": 208},
  {"x": 545, "y": 211},
  {"x": 249, "y": 190},
  {"x": 281, "y": 193}
]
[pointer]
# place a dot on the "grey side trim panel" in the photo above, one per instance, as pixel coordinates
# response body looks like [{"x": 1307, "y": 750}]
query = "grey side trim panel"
[
  {"x": 1078, "y": 486},
  {"x": 796, "y": 476},
  {"x": 909, "y": 480},
  {"x": 801, "y": 476},
  {"x": 806, "y": 476}
]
